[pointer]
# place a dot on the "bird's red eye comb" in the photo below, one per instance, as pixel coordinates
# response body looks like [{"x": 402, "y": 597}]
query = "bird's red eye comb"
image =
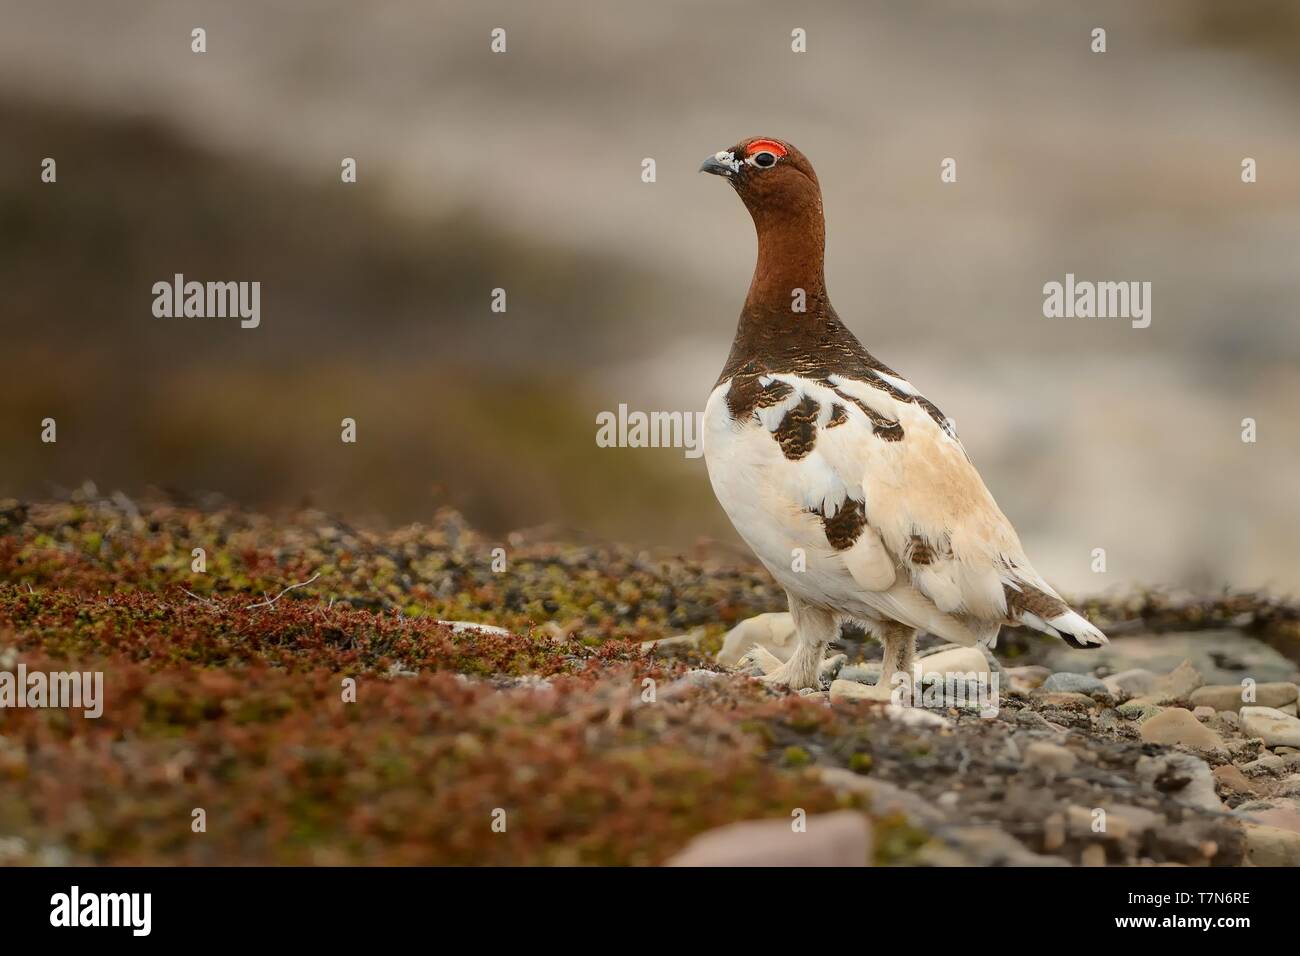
[{"x": 765, "y": 146}]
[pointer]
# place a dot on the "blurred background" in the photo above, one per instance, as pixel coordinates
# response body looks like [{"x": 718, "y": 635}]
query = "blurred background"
[{"x": 522, "y": 171}]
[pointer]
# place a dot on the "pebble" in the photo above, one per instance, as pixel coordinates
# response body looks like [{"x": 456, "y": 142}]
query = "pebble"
[
  {"x": 1027, "y": 678},
  {"x": 1093, "y": 855},
  {"x": 842, "y": 838},
  {"x": 1075, "y": 683},
  {"x": 1288, "y": 786},
  {"x": 1035, "y": 721},
  {"x": 1272, "y": 846},
  {"x": 773, "y": 632},
  {"x": 1049, "y": 757},
  {"x": 1178, "y": 727},
  {"x": 954, "y": 659},
  {"x": 1272, "y": 726},
  {"x": 842, "y": 690},
  {"x": 868, "y": 673},
  {"x": 463, "y": 627},
  {"x": 1230, "y": 778},
  {"x": 1130, "y": 683},
  {"x": 1140, "y": 712},
  {"x": 1231, "y": 696},
  {"x": 1174, "y": 686},
  {"x": 1203, "y": 713},
  {"x": 1185, "y": 777},
  {"x": 1265, "y": 764}
]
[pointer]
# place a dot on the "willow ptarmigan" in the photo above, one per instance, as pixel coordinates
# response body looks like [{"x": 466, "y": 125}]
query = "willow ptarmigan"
[{"x": 849, "y": 485}]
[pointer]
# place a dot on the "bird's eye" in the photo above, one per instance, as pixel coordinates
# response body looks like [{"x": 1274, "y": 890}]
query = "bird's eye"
[{"x": 764, "y": 159}]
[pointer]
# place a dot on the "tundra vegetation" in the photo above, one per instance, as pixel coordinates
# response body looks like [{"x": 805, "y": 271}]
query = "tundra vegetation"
[{"x": 343, "y": 721}]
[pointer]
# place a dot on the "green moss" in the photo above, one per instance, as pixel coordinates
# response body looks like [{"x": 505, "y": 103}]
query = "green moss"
[
  {"x": 796, "y": 757},
  {"x": 860, "y": 763}
]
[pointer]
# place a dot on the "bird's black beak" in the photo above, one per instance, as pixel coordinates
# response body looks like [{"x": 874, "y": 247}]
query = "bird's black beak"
[{"x": 721, "y": 164}]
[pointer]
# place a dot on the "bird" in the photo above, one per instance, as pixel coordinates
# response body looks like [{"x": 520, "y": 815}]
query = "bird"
[{"x": 849, "y": 485}]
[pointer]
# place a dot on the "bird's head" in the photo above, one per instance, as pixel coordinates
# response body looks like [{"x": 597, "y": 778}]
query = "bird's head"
[{"x": 771, "y": 176}]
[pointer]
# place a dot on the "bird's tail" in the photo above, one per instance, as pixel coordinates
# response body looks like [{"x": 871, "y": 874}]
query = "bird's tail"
[{"x": 1042, "y": 609}]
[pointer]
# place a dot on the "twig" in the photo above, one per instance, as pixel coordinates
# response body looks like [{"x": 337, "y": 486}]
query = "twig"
[
  {"x": 203, "y": 600},
  {"x": 270, "y": 601}
]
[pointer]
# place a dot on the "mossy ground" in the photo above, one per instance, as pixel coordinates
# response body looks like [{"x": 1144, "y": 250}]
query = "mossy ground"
[{"x": 225, "y": 692}]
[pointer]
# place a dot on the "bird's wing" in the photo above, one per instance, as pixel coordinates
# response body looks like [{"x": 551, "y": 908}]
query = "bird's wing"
[{"x": 932, "y": 549}]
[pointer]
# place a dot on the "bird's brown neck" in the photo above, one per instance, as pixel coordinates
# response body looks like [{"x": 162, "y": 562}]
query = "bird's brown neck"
[
  {"x": 791, "y": 257},
  {"x": 773, "y": 334}
]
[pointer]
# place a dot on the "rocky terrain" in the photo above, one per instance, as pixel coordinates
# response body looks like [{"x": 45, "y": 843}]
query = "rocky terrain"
[{"x": 330, "y": 695}]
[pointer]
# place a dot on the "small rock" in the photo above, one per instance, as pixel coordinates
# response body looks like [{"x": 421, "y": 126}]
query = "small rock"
[
  {"x": 1053, "y": 833},
  {"x": 1184, "y": 777},
  {"x": 773, "y": 632},
  {"x": 1140, "y": 712},
  {"x": 1034, "y": 721},
  {"x": 463, "y": 627},
  {"x": 1049, "y": 757},
  {"x": 1130, "y": 683},
  {"x": 1282, "y": 813},
  {"x": 1272, "y": 726},
  {"x": 1269, "y": 763},
  {"x": 842, "y": 838},
  {"x": 1075, "y": 683},
  {"x": 1230, "y": 778},
  {"x": 842, "y": 690},
  {"x": 1242, "y": 751},
  {"x": 1093, "y": 855},
  {"x": 1027, "y": 678},
  {"x": 1288, "y": 786},
  {"x": 868, "y": 673},
  {"x": 954, "y": 659},
  {"x": 1272, "y": 846},
  {"x": 1203, "y": 713},
  {"x": 1177, "y": 727},
  {"x": 1231, "y": 696},
  {"x": 1174, "y": 686}
]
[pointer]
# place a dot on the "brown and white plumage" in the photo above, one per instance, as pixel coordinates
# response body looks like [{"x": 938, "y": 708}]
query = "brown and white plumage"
[{"x": 849, "y": 485}]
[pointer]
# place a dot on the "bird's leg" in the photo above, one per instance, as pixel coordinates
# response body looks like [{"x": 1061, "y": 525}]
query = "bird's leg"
[
  {"x": 899, "y": 642},
  {"x": 814, "y": 628}
]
